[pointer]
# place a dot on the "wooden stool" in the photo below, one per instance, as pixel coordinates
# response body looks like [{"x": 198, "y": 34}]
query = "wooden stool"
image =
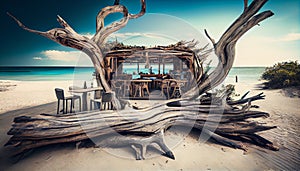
[
  {"x": 176, "y": 91},
  {"x": 137, "y": 90},
  {"x": 165, "y": 85},
  {"x": 144, "y": 86},
  {"x": 127, "y": 89}
]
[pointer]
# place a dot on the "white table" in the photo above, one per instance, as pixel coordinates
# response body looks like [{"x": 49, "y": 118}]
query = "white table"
[{"x": 84, "y": 92}]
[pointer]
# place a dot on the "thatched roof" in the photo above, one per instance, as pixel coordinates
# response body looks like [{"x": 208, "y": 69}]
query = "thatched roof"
[{"x": 140, "y": 53}]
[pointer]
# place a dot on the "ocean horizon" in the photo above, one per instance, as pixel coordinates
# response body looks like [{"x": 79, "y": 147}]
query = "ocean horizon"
[{"x": 65, "y": 73}]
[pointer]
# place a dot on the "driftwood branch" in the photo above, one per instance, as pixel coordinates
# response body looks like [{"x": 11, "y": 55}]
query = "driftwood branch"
[
  {"x": 143, "y": 128},
  {"x": 68, "y": 37},
  {"x": 211, "y": 39},
  {"x": 245, "y": 5},
  {"x": 103, "y": 32},
  {"x": 225, "y": 47}
]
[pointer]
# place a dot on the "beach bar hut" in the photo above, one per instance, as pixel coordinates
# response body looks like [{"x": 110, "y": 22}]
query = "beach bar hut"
[{"x": 133, "y": 63}]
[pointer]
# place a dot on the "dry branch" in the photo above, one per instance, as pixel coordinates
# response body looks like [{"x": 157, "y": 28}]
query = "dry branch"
[
  {"x": 228, "y": 127},
  {"x": 225, "y": 47}
]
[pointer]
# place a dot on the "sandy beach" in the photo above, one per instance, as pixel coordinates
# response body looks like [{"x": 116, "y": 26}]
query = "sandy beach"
[
  {"x": 21, "y": 94},
  {"x": 32, "y": 98}
]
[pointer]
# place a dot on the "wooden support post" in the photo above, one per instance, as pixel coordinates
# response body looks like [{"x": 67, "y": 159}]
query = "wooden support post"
[
  {"x": 120, "y": 68},
  {"x": 84, "y": 98},
  {"x": 180, "y": 65},
  {"x": 116, "y": 67},
  {"x": 159, "y": 66},
  {"x": 164, "y": 67}
]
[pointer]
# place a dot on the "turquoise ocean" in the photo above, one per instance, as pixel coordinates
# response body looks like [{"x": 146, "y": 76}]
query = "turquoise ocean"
[{"x": 245, "y": 74}]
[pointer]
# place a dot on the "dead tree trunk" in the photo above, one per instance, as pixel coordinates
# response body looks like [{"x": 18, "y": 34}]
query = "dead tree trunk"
[
  {"x": 92, "y": 47},
  {"x": 225, "y": 47},
  {"x": 222, "y": 119},
  {"x": 228, "y": 127}
]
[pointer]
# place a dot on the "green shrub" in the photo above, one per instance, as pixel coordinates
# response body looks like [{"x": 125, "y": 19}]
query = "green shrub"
[{"x": 281, "y": 75}]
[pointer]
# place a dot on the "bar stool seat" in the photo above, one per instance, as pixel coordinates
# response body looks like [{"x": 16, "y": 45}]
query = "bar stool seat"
[
  {"x": 117, "y": 86},
  {"x": 127, "y": 88},
  {"x": 165, "y": 84},
  {"x": 137, "y": 90},
  {"x": 176, "y": 90},
  {"x": 144, "y": 87}
]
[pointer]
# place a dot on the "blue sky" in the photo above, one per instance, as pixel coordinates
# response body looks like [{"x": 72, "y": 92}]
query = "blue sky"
[{"x": 276, "y": 39}]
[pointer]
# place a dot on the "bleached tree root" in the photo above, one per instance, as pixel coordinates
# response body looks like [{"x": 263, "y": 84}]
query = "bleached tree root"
[{"x": 139, "y": 130}]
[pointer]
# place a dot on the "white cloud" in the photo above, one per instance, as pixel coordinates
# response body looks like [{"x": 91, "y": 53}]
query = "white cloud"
[
  {"x": 76, "y": 58},
  {"x": 37, "y": 58},
  {"x": 121, "y": 35},
  {"x": 126, "y": 35},
  {"x": 88, "y": 35},
  {"x": 279, "y": 39},
  {"x": 134, "y": 34},
  {"x": 142, "y": 39},
  {"x": 63, "y": 55},
  {"x": 291, "y": 37},
  {"x": 264, "y": 51}
]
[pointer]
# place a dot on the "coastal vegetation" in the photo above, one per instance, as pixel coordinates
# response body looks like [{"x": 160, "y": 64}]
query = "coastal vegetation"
[{"x": 282, "y": 75}]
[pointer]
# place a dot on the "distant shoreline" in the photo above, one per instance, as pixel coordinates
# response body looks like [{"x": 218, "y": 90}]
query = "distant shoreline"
[
  {"x": 50, "y": 73},
  {"x": 62, "y": 66},
  {"x": 46, "y": 66}
]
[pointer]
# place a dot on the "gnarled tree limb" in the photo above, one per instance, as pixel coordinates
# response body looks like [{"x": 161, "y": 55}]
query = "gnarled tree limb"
[
  {"x": 68, "y": 37},
  {"x": 225, "y": 47},
  {"x": 103, "y": 32}
]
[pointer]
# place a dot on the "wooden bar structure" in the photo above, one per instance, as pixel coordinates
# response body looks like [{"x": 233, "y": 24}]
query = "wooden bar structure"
[
  {"x": 175, "y": 55},
  {"x": 159, "y": 55}
]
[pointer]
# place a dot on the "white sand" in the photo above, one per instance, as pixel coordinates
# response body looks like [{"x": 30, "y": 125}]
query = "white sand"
[
  {"x": 190, "y": 153},
  {"x": 21, "y": 94}
]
